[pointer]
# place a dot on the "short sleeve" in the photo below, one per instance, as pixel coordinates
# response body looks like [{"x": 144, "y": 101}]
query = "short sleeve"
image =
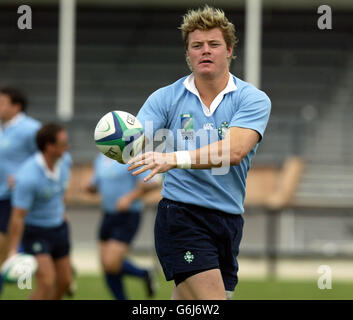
[
  {"x": 154, "y": 112},
  {"x": 253, "y": 112},
  {"x": 68, "y": 159},
  {"x": 23, "y": 194},
  {"x": 31, "y": 141},
  {"x": 32, "y": 130}
]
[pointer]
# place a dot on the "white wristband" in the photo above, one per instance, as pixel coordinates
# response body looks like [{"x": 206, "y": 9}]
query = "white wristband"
[{"x": 183, "y": 159}]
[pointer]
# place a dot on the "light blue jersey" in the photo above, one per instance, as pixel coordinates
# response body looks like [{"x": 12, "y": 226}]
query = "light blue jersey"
[
  {"x": 114, "y": 181},
  {"x": 40, "y": 191},
  {"x": 17, "y": 144},
  {"x": 178, "y": 107}
]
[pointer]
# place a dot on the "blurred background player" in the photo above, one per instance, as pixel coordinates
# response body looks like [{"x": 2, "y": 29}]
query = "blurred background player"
[
  {"x": 38, "y": 212},
  {"x": 121, "y": 202},
  {"x": 17, "y": 144},
  {"x": 199, "y": 222}
]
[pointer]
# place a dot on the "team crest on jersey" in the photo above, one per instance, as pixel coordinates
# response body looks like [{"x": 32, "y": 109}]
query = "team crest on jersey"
[
  {"x": 222, "y": 130},
  {"x": 47, "y": 193},
  {"x": 187, "y": 126}
]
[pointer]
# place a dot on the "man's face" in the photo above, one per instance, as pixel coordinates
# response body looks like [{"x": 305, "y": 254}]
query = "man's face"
[
  {"x": 62, "y": 143},
  {"x": 208, "y": 53},
  {"x": 7, "y": 109}
]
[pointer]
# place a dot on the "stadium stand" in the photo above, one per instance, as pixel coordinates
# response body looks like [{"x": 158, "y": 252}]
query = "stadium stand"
[{"x": 122, "y": 55}]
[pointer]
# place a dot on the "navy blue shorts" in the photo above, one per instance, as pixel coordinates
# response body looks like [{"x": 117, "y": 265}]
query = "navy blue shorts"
[
  {"x": 190, "y": 238},
  {"x": 54, "y": 240},
  {"x": 5, "y": 214},
  {"x": 121, "y": 226}
]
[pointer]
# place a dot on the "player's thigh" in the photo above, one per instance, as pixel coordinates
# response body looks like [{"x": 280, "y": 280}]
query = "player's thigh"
[
  {"x": 206, "y": 285},
  {"x": 63, "y": 270},
  {"x": 112, "y": 252},
  {"x": 45, "y": 274}
]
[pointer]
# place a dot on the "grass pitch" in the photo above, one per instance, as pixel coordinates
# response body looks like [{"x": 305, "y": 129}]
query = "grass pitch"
[{"x": 93, "y": 288}]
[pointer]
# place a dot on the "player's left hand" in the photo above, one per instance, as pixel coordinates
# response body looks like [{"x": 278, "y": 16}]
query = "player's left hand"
[{"x": 157, "y": 162}]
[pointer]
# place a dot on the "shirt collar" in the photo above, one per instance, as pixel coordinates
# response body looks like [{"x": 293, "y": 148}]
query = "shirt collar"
[
  {"x": 189, "y": 84},
  {"x": 53, "y": 175},
  {"x": 16, "y": 119}
]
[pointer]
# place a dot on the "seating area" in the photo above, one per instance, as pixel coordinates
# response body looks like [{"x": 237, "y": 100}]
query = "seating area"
[{"x": 123, "y": 55}]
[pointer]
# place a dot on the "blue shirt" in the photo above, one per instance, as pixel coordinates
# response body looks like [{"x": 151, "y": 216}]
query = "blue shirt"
[
  {"x": 114, "y": 181},
  {"x": 178, "y": 107},
  {"x": 17, "y": 144},
  {"x": 40, "y": 191}
]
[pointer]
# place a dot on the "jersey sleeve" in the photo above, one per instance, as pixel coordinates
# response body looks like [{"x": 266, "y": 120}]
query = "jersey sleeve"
[
  {"x": 23, "y": 194},
  {"x": 31, "y": 140},
  {"x": 253, "y": 112},
  {"x": 68, "y": 159},
  {"x": 153, "y": 113}
]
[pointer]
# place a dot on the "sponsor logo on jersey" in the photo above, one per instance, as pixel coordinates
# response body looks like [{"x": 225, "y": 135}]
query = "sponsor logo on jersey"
[
  {"x": 208, "y": 126},
  {"x": 187, "y": 126}
]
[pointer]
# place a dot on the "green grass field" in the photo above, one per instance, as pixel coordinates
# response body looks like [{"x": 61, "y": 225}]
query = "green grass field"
[{"x": 93, "y": 288}]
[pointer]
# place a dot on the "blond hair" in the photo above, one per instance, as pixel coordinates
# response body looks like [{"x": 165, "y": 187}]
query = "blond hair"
[{"x": 207, "y": 18}]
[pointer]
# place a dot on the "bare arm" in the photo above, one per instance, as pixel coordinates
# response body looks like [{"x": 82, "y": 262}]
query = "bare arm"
[
  {"x": 230, "y": 151},
  {"x": 91, "y": 188},
  {"x": 236, "y": 145},
  {"x": 141, "y": 189},
  {"x": 16, "y": 229}
]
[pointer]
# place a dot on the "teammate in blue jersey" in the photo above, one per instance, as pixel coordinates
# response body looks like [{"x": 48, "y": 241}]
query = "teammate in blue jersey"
[
  {"x": 122, "y": 206},
  {"x": 215, "y": 123},
  {"x": 17, "y": 144},
  {"x": 38, "y": 212}
]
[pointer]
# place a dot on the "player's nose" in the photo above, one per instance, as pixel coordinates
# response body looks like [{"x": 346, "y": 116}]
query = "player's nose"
[{"x": 206, "y": 49}]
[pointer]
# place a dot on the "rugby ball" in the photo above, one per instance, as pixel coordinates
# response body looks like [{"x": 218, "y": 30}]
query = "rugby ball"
[
  {"x": 119, "y": 135},
  {"x": 20, "y": 264}
]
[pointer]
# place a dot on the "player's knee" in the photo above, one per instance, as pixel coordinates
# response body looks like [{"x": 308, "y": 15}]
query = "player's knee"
[{"x": 111, "y": 265}]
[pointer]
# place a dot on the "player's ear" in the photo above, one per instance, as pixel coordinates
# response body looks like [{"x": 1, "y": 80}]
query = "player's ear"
[
  {"x": 229, "y": 52},
  {"x": 18, "y": 107}
]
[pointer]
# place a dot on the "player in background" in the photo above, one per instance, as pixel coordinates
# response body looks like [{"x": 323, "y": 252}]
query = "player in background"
[
  {"x": 121, "y": 204},
  {"x": 199, "y": 222},
  {"x": 38, "y": 212},
  {"x": 17, "y": 144}
]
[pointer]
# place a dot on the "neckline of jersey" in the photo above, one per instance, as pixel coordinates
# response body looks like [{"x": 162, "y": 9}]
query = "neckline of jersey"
[
  {"x": 189, "y": 84},
  {"x": 53, "y": 175}
]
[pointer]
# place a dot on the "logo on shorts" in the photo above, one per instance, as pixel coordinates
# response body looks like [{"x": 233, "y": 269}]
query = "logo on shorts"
[
  {"x": 189, "y": 257},
  {"x": 37, "y": 247}
]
